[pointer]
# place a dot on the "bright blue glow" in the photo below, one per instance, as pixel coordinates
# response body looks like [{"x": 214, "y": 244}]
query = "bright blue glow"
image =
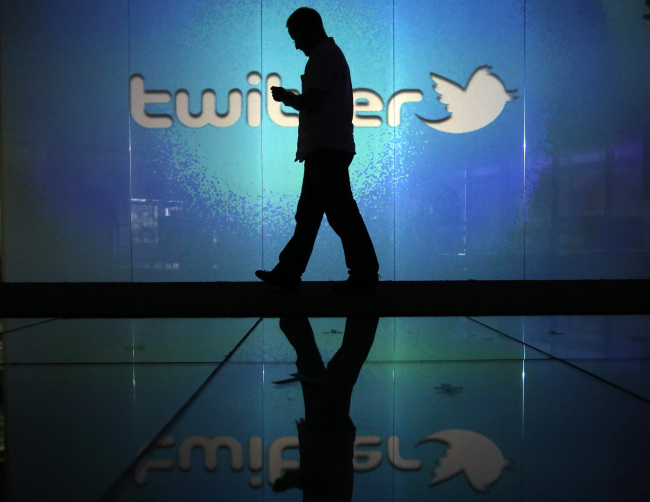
[{"x": 109, "y": 194}]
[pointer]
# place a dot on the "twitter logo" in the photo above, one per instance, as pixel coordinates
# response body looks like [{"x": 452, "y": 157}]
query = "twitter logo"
[
  {"x": 473, "y": 107},
  {"x": 469, "y": 452}
]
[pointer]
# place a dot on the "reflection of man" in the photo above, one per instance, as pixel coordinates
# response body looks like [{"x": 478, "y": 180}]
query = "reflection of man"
[
  {"x": 326, "y": 435},
  {"x": 326, "y": 145}
]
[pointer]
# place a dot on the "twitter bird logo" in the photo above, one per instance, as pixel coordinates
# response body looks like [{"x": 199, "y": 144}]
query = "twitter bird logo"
[
  {"x": 469, "y": 452},
  {"x": 472, "y": 107}
]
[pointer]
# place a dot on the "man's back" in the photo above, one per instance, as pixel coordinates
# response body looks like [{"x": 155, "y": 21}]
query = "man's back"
[{"x": 330, "y": 125}]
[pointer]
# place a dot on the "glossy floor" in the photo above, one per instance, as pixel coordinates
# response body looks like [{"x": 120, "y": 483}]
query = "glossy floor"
[{"x": 446, "y": 408}]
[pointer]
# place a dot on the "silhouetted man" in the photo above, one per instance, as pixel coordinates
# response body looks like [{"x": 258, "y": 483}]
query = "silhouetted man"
[
  {"x": 326, "y": 434},
  {"x": 326, "y": 145}
]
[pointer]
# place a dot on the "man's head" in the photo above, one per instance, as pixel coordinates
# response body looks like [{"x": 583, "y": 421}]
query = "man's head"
[{"x": 306, "y": 29}]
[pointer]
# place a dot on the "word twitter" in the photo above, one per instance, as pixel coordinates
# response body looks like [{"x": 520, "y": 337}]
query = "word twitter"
[{"x": 468, "y": 107}]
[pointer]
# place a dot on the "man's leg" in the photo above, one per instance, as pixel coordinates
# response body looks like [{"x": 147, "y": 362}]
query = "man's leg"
[
  {"x": 295, "y": 255},
  {"x": 345, "y": 366},
  {"x": 329, "y": 169},
  {"x": 309, "y": 214}
]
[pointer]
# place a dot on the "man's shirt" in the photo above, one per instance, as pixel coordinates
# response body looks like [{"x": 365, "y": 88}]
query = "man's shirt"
[{"x": 331, "y": 125}]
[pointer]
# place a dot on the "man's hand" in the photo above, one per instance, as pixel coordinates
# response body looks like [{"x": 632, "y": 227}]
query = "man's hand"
[
  {"x": 280, "y": 94},
  {"x": 311, "y": 100}
]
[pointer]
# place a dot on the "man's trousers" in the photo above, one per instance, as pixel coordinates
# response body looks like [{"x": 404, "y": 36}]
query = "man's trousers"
[{"x": 326, "y": 191}]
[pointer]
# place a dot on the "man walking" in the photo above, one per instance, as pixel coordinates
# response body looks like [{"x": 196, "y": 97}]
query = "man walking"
[{"x": 326, "y": 146}]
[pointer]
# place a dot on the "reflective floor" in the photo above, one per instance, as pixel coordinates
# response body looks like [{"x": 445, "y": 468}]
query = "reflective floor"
[{"x": 399, "y": 409}]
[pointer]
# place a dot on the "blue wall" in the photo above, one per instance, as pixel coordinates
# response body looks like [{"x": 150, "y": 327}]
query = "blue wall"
[{"x": 113, "y": 170}]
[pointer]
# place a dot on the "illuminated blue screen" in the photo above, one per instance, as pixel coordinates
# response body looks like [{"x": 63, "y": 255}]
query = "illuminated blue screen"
[{"x": 495, "y": 140}]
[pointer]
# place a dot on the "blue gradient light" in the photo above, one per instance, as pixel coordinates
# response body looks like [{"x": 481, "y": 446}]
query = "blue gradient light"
[{"x": 96, "y": 188}]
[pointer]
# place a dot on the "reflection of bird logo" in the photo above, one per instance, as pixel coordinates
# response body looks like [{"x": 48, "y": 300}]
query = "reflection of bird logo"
[
  {"x": 473, "y": 107},
  {"x": 473, "y": 453}
]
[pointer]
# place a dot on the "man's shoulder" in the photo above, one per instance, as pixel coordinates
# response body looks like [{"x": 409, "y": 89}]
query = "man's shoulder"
[
  {"x": 327, "y": 49},
  {"x": 330, "y": 56}
]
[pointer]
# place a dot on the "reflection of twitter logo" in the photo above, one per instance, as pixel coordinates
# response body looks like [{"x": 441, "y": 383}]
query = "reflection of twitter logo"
[
  {"x": 468, "y": 452},
  {"x": 472, "y": 107}
]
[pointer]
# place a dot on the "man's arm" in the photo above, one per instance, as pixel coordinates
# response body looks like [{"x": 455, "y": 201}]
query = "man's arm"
[{"x": 311, "y": 100}]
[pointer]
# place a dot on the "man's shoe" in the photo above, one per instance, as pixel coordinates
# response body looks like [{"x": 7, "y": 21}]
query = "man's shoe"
[
  {"x": 284, "y": 281},
  {"x": 357, "y": 284}
]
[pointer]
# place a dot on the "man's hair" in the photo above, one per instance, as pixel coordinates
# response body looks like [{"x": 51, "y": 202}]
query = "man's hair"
[{"x": 305, "y": 20}]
